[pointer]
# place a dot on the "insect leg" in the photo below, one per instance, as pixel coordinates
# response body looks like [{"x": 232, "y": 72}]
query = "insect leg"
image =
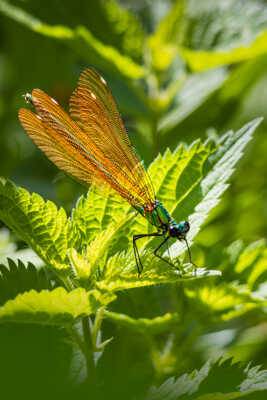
[
  {"x": 163, "y": 259},
  {"x": 189, "y": 256},
  {"x": 138, "y": 261},
  {"x": 168, "y": 249}
]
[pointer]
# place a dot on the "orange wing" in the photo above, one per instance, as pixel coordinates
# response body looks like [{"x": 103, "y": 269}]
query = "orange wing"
[
  {"x": 93, "y": 148},
  {"x": 95, "y": 110}
]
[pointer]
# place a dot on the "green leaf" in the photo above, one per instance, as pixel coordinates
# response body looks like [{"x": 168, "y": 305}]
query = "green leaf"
[
  {"x": 252, "y": 263},
  {"x": 152, "y": 326},
  {"x": 251, "y": 380},
  {"x": 127, "y": 31},
  {"x": 16, "y": 278},
  {"x": 40, "y": 224},
  {"x": 120, "y": 273},
  {"x": 82, "y": 269},
  {"x": 200, "y": 198},
  {"x": 22, "y": 17},
  {"x": 219, "y": 381},
  {"x": 256, "y": 380},
  {"x": 164, "y": 42},
  {"x": 81, "y": 40},
  {"x": 57, "y": 307},
  {"x": 105, "y": 56},
  {"x": 221, "y": 302},
  {"x": 173, "y": 388},
  {"x": 86, "y": 266},
  {"x": 241, "y": 79},
  {"x": 93, "y": 269},
  {"x": 212, "y": 39},
  {"x": 95, "y": 212},
  {"x": 202, "y": 60},
  {"x": 196, "y": 90},
  {"x": 211, "y": 97}
]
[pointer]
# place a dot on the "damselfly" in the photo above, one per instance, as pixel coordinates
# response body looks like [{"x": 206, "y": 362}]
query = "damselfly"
[{"x": 92, "y": 145}]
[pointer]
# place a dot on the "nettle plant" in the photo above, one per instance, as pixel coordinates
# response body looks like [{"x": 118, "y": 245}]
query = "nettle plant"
[
  {"x": 90, "y": 261},
  {"x": 197, "y": 69}
]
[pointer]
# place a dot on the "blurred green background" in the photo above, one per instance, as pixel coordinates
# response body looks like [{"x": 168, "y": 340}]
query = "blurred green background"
[{"x": 179, "y": 70}]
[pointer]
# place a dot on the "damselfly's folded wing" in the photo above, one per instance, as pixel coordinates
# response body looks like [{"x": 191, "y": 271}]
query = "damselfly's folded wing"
[
  {"x": 93, "y": 107},
  {"x": 73, "y": 150}
]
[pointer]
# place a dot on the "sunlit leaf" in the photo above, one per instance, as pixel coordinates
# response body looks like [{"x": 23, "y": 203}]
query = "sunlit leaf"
[
  {"x": 40, "y": 224},
  {"x": 212, "y": 39},
  {"x": 218, "y": 169},
  {"x": 57, "y": 307},
  {"x": 95, "y": 212},
  {"x": 201, "y": 60},
  {"x": 120, "y": 273},
  {"x": 164, "y": 42},
  {"x": 81, "y": 40},
  {"x": 222, "y": 301}
]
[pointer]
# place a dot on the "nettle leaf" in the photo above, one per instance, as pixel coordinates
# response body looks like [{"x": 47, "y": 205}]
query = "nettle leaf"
[
  {"x": 81, "y": 40},
  {"x": 56, "y": 307},
  {"x": 40, "y": 224},
  {"x": 256, "y": 380},
  {"x": 235, "y": 382},
  {"x": 95, "y": 212},
  {"x": 86, "y": 265},
  {"x": 217, "y": 90},
  {"x": 206, "y": 194},
  {"x": 216, "y": 25},
  {"x": 120, "y": 273},
  {"x": 211, "y": 39},
  {"x": 105, "y": 56},
  {"x": 221, "y": 302},
  {"x": 196, "y": 90},
  {"x": 164, "y": 42},
  {"x": 214, "y": 381},
  {"x": 148, "y": 325},
  {"x": 93, "y": 268},
  {"x": 173, "y": 388},
  {"x": 252, "y": 264},
  {"x": 82, "y": 270},
  {"x": 240, "y": 80},
  {"x": 202, "y": 60},
  {"x": 17, "y": 278},
  {"x": 126, "y": 28}
]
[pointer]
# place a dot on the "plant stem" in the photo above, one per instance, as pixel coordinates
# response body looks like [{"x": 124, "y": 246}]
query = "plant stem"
[
  {"x": 97, "y": 326},
  {"x": 89, "y": 351}
]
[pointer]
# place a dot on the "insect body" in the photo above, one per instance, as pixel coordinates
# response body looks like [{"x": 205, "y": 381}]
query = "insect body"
[
  {"x": 167, "y": 227},
  {"x": 92, "y": 145}
]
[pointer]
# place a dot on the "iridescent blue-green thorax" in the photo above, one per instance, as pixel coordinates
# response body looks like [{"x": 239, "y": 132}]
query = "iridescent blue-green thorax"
[{"x": 158, "y": 216}]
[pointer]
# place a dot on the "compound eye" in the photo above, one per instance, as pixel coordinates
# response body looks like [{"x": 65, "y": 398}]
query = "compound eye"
[
  {"x": 174, "y": 231},
  {"x": 186, "y": 227}
]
